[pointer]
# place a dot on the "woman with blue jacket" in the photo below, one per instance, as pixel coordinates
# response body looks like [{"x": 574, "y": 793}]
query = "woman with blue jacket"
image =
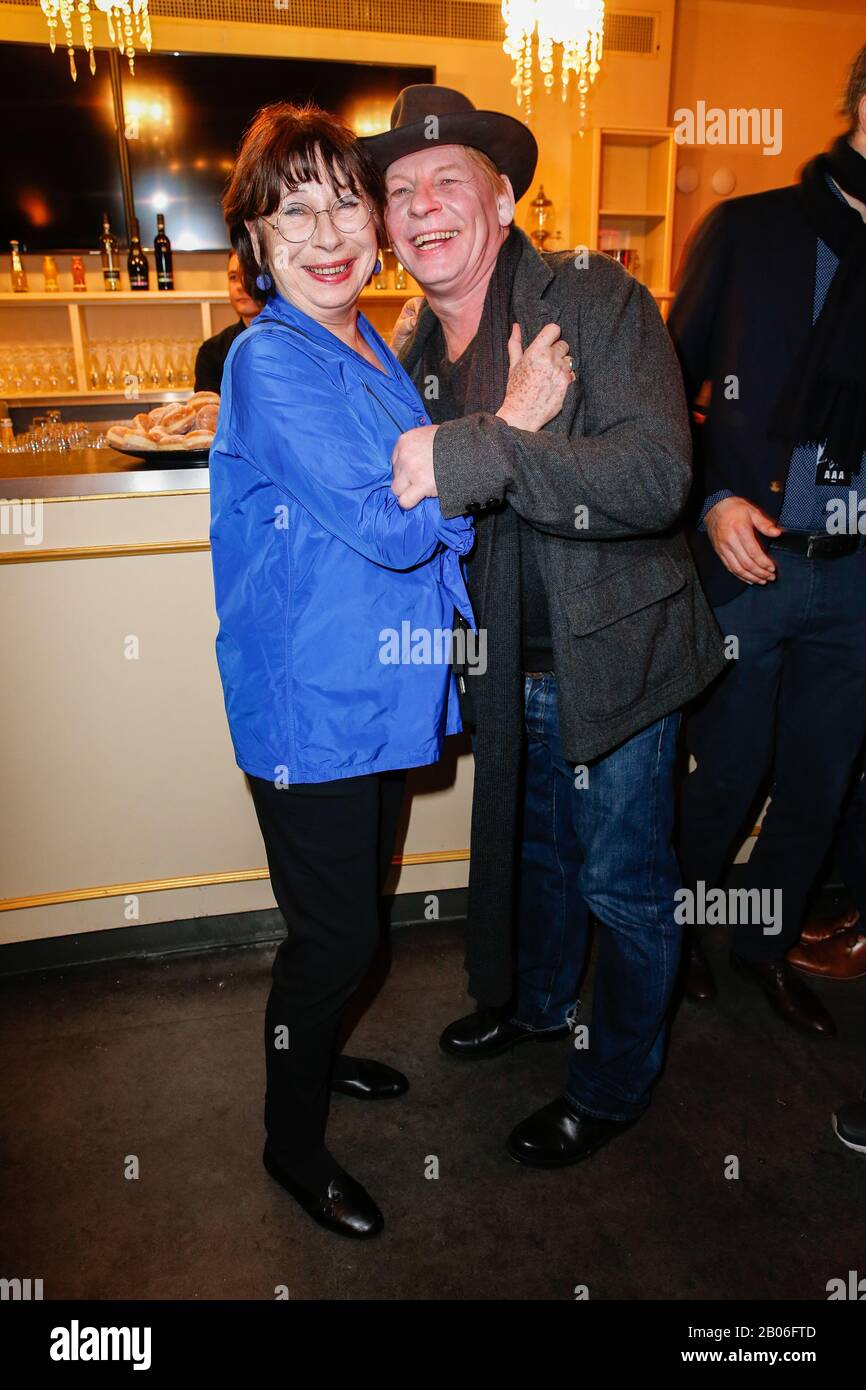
[{"x": 317, "y": 573}]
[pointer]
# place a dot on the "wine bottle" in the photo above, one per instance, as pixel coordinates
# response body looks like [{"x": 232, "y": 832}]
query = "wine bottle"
[
  {"x": 110, "y": 257},
  {"x": 162, "y": 256},
  {"x": 136, "y": 262},
  {"x": 49, "y": 273},
  {"x": 19, "y": 274}
]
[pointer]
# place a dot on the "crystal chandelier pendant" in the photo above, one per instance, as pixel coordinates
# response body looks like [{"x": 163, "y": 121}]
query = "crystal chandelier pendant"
[
  {"x": 575, "y": 26},
  {"x": 127, "y": 21}
]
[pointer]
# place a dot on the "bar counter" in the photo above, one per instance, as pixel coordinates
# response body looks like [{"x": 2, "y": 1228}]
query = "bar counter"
[
  {"x": 81, "y": 472},
  {"x": 125, "y": 802}
]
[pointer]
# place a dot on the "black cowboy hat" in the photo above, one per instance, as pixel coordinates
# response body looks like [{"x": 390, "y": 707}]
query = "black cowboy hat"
[{"x": 505, "y": 140}]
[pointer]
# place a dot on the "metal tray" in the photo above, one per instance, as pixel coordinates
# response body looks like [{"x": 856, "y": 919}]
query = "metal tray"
[{"x": 167, "y": 458}]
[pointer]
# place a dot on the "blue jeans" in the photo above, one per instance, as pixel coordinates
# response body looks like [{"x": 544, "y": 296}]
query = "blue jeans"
[{"x": 604, "y": 848}]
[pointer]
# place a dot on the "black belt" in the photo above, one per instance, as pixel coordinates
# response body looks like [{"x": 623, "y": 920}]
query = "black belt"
[{"x": 816, "y": 545}]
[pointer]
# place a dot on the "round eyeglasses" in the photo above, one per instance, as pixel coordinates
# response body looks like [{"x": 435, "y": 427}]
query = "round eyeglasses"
[{"x": 297, "y": 222}]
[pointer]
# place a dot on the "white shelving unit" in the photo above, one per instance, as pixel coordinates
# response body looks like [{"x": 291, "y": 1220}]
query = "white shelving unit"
[
  {"x": 58, "y": 398},
  {"x": 622, "y": 191},
  {"x": 76, "y": 302}
]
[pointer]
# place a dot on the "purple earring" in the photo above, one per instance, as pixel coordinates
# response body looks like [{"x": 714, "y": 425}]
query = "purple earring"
[
  {"x": 377, "y": 267},
  {"x": 264, "y": 281}
]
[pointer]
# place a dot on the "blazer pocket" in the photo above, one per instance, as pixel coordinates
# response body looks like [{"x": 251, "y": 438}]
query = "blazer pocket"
[{"x": 628, "y": 635}]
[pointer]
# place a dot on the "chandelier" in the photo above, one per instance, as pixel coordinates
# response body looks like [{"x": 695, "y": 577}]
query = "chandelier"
[
  {"x": 126, "y": 20},
  {"x": 576, "y": 25}
]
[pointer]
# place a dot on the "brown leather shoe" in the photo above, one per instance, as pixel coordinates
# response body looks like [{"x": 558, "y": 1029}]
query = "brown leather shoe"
[
  {"x": 791, "y": 999},
  {"x": 839, "y": 957},
  {"x": 698, "y": 979},
  {"x": 820, "y": 928}
]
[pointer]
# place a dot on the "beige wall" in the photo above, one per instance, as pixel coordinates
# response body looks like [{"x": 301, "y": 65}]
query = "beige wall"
[{"x": 734, "y": 54}]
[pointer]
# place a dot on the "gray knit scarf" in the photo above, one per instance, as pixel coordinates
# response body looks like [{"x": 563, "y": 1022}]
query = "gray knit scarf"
[{"x": 495, "y": 697}]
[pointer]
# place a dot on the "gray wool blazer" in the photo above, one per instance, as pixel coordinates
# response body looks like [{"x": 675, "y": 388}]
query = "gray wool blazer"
[{"x": 603, "y": 486}]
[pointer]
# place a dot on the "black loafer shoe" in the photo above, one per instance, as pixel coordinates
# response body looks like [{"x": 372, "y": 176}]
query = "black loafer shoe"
[
  {"x": 489, "y": 1032},
  {"x": 789, "y": 996},
  {"x": 344, "y": 1206},
  {"x": 365, "y": 1079},
  {"x": 557, "y": 1135}
]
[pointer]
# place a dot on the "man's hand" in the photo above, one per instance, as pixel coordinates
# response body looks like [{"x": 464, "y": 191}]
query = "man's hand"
[
  {"x": 731, "y": 525},
  {"x": 537, "y": 380},
  {"x": 412, "y": 466}
]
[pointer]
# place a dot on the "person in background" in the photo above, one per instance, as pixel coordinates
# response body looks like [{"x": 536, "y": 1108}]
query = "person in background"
[
  {"x": 770, "y": 311},
  {"x": 834, "y": 948},
  {"x": 213, "y": 352}
]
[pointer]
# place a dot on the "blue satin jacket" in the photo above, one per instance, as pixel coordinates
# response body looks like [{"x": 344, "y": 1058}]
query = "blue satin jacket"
[{"x": 325, "y": 587}]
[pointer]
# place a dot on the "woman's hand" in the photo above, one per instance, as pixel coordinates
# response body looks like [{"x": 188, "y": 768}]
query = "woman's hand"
[
  {"x": 405, "y": 325},
  {"x": 538, "y": 378}
]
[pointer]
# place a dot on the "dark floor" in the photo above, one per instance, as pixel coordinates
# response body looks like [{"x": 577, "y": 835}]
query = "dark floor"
[{"x": 163, "y": 1060}]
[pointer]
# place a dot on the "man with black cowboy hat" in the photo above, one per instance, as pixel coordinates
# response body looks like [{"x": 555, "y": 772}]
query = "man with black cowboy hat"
[
  {"x": 771, "y": 310},
  {"x": 597, "y": 628}
]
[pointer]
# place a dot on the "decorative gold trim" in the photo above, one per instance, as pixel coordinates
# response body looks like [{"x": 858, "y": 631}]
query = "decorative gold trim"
[
  {"x": 434, "y": 856},
  {"x": 102, "y": 552},
  {"x": 107, "y": 496},
  {"x": 165, "y": 885},
  {"x": 117, "y": 496}
]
